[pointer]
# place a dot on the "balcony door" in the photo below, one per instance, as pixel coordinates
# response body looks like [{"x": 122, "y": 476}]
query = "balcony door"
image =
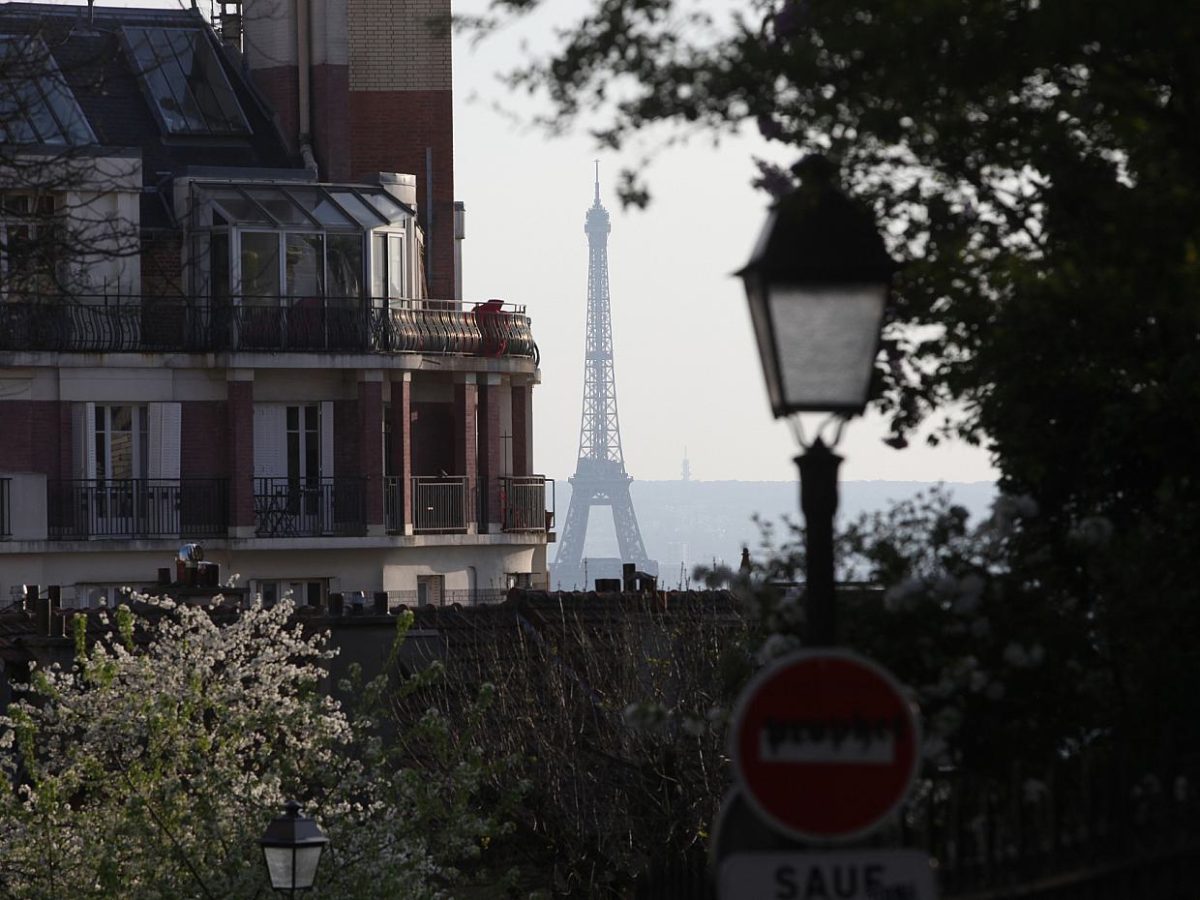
[
  {"x": 293, "y": 465},
  {"x": 127, "y": 460}
]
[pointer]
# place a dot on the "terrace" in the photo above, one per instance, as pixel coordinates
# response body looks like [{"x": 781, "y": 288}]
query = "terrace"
[{"x": 290, "y": 324}]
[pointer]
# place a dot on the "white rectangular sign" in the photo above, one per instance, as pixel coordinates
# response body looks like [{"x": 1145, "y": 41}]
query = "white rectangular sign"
[{"x": 828, "y": 875}]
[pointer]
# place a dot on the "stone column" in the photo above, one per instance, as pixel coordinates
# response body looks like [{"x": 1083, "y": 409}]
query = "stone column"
[
  {"x": 370, "y": 447},
  {"x": 465, "y": 446},
  {"x": 239, "y": 404},
  {"x": 490, "y": 454},
  {"x": 402, "y": 450},
  {"x": 522, "y": 426}
]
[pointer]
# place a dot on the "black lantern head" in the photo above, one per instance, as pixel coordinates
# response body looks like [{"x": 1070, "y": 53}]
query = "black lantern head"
[
  {"x": 818, "y": 283},
  {"x": 292, "y": 846}
]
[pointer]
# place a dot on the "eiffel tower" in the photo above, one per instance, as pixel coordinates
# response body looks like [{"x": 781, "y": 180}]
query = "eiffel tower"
[{"x": 600, "y": 478}]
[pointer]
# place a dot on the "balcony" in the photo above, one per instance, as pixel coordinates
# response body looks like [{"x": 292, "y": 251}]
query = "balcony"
[
  {"x": 80, "y": 324},
  {"x": 5, "y": 514},
  {"x": 441, "y": 504},
  {"x": 523, "y": 503},
  {"x": 135, "y": 508},
  {"x": 310, "y": 507}
]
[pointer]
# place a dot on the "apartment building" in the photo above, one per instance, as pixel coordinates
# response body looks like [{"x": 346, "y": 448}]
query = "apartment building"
[{"x": 231, "y": 311}]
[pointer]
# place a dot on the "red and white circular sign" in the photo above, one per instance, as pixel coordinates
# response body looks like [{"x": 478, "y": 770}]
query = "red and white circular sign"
[{"x": 825, "y": 744}]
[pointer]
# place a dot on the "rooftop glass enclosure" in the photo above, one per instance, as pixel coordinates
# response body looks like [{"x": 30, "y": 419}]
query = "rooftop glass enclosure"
[{"x": 302, "y": 246}]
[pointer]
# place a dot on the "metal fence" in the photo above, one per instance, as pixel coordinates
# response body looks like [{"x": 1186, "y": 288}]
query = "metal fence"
[
  {"x": 5, "y": 508},
  {"x": 441, "y": 504},
  {"x": 107, "y": 325},
  {"x": 80, "y": 509},
  {"x": 523, "y": 503},
  {"x": 310, "y": 507}
]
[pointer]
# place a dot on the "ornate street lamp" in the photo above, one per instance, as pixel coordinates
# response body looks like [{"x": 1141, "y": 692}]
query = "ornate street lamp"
[
  {"x": 818, "y": 283},
  {"x": 292, "y": 846}
]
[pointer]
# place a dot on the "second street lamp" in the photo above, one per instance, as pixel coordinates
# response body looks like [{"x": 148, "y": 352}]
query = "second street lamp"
[
  {"x": 292, "y": 846},
  {"x": 818, "y": 282}
]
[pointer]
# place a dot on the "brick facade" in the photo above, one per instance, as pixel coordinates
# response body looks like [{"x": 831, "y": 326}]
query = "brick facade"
[
  {"x": 489, "y": 460},
  {"x": 522, "y": 421},
  {"x": 34, "y": 439},
  {"x": 240, "y": 417},
  {"x": 204, "y": 439},
  {"x": 280, "y": 86},
  {"x": 370, "y": 447},
  {"x": 389, "y": 132},
  {"x": 465, "y": 434},
  {"x": 401, "y": 462},
  {"x": 331, "y": 121}
]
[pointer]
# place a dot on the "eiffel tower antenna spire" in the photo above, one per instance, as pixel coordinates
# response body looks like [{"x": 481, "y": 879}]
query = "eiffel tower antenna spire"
[{"x": 600, "y": 478}]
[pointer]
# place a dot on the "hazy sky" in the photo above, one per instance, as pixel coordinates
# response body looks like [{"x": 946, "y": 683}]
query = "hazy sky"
[{"x": 687, "y": 369}]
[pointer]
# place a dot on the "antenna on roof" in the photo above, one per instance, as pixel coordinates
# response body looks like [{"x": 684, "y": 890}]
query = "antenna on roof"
[
  {"x": 597, "y": 162},
  {"x": 91, "y": 12}
]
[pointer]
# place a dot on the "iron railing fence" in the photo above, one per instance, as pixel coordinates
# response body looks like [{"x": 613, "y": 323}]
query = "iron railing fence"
[
  {"x": 1095, "y": 825},
  {"x": 461, "y": 596},
  {"x": 310, "y": 507},
  {"x": 1092, "y": 826},
  {"x": 5, "y": 508},
  {"x": 523, "y": 503},
  {"x": 79, "y": 509},
  {"x": 112, "y": 325},
  {"x": 441, "y": 504}
]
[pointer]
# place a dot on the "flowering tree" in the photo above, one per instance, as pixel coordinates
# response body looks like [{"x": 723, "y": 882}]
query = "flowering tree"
[{"x": 150, "y": 767}]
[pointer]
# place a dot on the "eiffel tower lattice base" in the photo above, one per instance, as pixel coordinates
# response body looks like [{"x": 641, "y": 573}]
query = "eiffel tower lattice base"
[{"x": 597, "y": 483}]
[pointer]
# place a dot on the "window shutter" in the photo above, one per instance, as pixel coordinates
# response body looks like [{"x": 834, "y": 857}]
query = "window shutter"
[
  {"x": 164, "y": 427},
  {"x": 327, "y": 439},
  {"x": 270, "y": 440},
  {"x": 83, "y": 440}
]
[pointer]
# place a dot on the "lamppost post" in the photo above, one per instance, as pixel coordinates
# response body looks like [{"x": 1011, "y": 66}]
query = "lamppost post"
[
  {"x": 818, "y": 284},
  {"x": 819, "y": 501}
]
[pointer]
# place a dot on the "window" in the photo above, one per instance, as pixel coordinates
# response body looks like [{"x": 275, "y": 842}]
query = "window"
[
  {"x": 184, "y": 82},
  {"x": 97, "y": 596},
  {"x": 389, "y": 274},
  {"x": 310, "y": 592},
  {"x": 293, "y": 441},
  {"x": 431, "y": 589},
  {"x": 29, "y": 244},
  {"x": 121, "y": 442},
  {"x": 37, "y": 106}
]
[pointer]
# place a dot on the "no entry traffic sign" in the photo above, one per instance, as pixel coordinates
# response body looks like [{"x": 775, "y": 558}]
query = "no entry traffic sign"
[{"x": 825, "y": 744}]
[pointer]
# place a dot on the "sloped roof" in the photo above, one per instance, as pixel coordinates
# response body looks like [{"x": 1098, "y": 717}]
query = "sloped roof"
[{"x": 95, "y": 60}]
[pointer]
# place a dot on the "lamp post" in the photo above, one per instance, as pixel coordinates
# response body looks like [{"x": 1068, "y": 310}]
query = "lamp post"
[
  {"x": 817, "y": 283},
  {"x": 292, "y": 846}
]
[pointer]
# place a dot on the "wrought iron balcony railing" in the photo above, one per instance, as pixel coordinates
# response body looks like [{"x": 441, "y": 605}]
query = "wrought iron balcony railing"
[
  {"x": 133, "y": 508},
  {"x": 440, "y": 504},
  {"x": 106, "y": 325},
  {"x": 523, "y": 503},
  {"x": 5, "y": 512},
  {"x": 310, "y": 507}
]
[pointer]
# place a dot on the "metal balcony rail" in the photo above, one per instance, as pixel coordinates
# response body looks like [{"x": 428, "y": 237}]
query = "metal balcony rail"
[
  {"x": 132, "y": 508},
  {"x": 310, "y": 507},
  {"x": 88, "y": 324},
  {"x": 441, "y": 504},
  {"x": 523, "y": 503},
  {"x": 5, "y": 511}
]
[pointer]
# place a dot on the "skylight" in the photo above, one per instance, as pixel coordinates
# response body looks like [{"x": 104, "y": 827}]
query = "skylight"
[
  {"x": 37, "y": 105},
  {"x": 184, "y": 81}
]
